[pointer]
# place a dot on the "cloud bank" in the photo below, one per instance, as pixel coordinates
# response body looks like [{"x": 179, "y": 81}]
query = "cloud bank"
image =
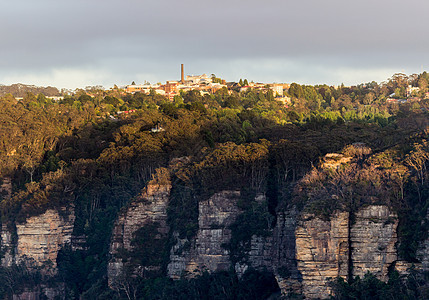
[{"x": 77, "y": 43}]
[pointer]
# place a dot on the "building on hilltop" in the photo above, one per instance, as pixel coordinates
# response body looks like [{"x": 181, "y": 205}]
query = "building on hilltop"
[
  {"x": 133, "y": 88},
  {"x": 198, "y": 79},
  {"x": 277, "y": 89},
  {"x": 412, "y": 90},
  {"x": 205, "y": 85}
]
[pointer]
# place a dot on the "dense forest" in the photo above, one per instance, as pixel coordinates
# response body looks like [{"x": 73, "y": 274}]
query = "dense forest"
[{"x": 98, "y": 150}]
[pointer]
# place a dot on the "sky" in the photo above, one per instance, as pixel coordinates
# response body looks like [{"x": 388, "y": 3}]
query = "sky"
[{"x": 79, "y": 43}]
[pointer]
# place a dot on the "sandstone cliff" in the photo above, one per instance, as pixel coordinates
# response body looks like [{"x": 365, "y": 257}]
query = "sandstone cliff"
[
  {"x": 338, "y": 247},
  {"x": 148, "y": 209},
  {"x": 206, "y": 251},
  {"x": 373, "y": 237},
  {"x": 321, "y": 251},
  {"x": 38, "y": 239},
  {"x": 303, "y": 251},
  {"x": 35, "y": 244}
]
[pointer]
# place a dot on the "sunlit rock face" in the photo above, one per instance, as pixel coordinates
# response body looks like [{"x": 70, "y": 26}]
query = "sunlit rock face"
[
  {"x": 35, "y": 244},
  {"x": 322, "y": 252},
  {"x": 373, "y": 237},
  {"x": 38, "y": 240},
  {"x": 312, "y": 251}
]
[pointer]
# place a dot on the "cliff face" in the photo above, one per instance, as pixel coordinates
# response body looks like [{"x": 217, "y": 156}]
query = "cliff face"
[
  {"x": 38, "y": 240},
  {"x": 303, "y": 251},
  {"x": 373, "y": 237},
  {"x": 35, "y": 244},
  {"x": 321, "y": 251},
  {"x": 206, "y": 251},
  {"x": 149, "y": 209},
  {"x": 326, "y": 249},
  {"x": 284, "y": 263}
]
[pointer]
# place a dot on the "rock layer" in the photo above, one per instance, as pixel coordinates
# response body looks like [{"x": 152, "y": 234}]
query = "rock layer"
[
  {"x": 326, "y": 249},
  {"x": 304, "y": 251},
  {"x": 206, "y": 252},
  {"x": 322, "y": 252},
  {"x": 373, "y": 238},
  {"x": 38, "y": 239},
  {"x": 149, "y": 208}
]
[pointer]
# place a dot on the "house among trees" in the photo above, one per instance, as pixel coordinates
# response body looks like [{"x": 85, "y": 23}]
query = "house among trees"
[{"x": 157, "y": 128}]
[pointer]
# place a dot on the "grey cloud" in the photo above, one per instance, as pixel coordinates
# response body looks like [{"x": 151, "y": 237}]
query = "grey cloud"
[{"x": 146, "y": 38}]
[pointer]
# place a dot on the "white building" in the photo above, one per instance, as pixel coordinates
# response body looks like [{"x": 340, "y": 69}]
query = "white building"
[
  {"x": 277, "y": 89},
  {"x": 198, "y": 79}
]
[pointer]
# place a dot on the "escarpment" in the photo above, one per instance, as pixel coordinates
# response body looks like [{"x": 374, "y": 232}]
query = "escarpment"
[
  {"x": 34, "y": 246},
  {"x": 140, "y": 231},
  {"x": 207, "y": 252},
  {"x": 304, "y": 251},
  {"x": 344, "y": 246},
  {"x": 37, "y": 241},
  {"x": 304, "y": 247}
]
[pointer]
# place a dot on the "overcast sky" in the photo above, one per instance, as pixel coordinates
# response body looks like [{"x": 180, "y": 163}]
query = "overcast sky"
[{"x": 78, "y": 43}]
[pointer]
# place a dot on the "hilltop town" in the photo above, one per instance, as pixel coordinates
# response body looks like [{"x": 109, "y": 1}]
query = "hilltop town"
[
  {"x": 397, "y": 90},
  {"x": 206, "y": 85}
]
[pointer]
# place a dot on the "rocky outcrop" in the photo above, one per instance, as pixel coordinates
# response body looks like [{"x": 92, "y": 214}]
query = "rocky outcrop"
[
  {"x": 322, "y": 252},
  {"x": 304, "y": 251},
  {"x": 41, "y": 237},
  {"x": 149, "y": 208},
  {"x": 373, "y": 237},
  {"x": 37, "y": 241},
  {"x": 215, "y": 216},
  {"x": 338, "y": 247},
  {"x": 207, "y": 251}
]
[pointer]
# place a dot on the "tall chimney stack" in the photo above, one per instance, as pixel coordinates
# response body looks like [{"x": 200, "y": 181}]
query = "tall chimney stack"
[{"x": 182, "y": 80}]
